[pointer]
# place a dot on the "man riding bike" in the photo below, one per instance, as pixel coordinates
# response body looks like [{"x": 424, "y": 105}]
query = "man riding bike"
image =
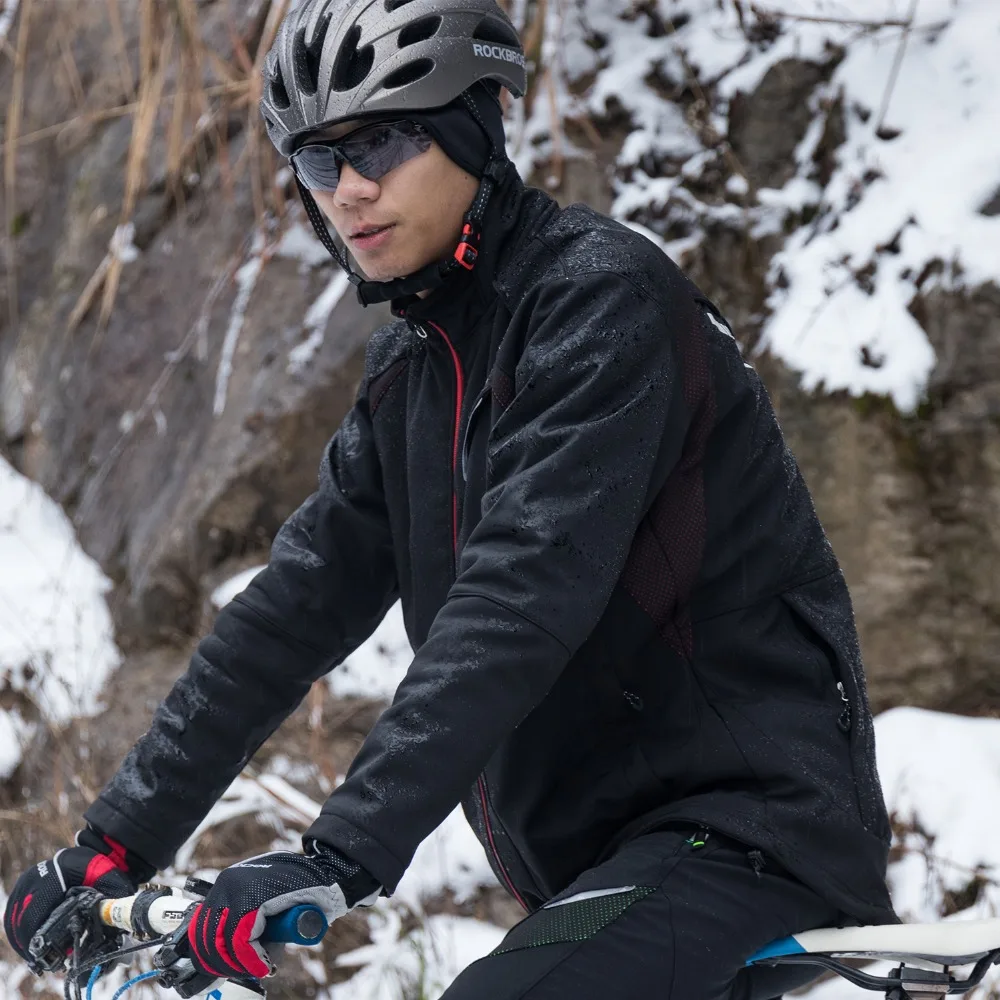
[{"x": 636, "y": 663}]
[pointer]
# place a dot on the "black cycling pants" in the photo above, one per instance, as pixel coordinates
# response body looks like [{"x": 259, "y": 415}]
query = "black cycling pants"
[{"x": 672, "y": 916}]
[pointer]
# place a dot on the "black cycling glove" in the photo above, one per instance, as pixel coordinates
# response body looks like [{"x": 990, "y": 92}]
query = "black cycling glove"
[
  {"x": 224, "y": 932},
  {"x": 97, "y": 861}
]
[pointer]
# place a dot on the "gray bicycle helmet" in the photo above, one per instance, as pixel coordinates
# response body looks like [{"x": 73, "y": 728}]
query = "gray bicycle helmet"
[{"x": 336, "y": 60}]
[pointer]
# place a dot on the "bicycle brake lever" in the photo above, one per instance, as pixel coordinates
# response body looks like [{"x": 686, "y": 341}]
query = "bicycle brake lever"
[
  {"x": 74, "y": 921},
  {"x": 177, "y": 971}
]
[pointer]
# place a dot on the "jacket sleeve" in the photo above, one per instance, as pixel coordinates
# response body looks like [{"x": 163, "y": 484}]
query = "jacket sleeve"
[
  {"x": 596, "y": 421},
  {"x": 329, "y": 581}
]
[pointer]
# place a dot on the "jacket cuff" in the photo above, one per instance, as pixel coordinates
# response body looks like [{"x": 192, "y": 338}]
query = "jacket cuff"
[
  {"x": 108, "y": 821},
  {"x": 122, "y": 857},
  {"x": 360, "y": 846}
]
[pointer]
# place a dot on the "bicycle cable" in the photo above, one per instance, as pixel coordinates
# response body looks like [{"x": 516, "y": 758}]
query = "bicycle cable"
[{"x": 94, "y": 966}]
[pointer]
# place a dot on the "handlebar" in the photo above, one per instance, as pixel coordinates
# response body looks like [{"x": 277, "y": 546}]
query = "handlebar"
[
  {"x": 159, "y": 912},
  {"x": 156, "y": 918}
]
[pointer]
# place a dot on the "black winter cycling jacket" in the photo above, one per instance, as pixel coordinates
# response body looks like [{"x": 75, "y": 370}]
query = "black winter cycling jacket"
[{"x": 623, "y": 608}]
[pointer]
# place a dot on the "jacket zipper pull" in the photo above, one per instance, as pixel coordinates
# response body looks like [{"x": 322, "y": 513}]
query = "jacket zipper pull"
[
  {"x": 417, "y": 329},
  {"x": 698, "y": 840},
  {"x": 844, "y": 720},
  {"x": 757, "y": 861}
]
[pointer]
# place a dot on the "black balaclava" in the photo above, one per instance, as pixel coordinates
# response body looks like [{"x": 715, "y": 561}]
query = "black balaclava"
[
  {"x": 471, "y": 133},
  {"x": 461, "y": 137}
]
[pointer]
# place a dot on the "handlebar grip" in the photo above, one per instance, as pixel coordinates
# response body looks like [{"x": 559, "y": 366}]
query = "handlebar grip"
[{"x": 305, "y": 924}]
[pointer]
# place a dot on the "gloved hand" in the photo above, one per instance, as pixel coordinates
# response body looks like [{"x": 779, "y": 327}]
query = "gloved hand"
[
  {"x": 97, "y": 861},
  {"x": 224, "y": 932}
]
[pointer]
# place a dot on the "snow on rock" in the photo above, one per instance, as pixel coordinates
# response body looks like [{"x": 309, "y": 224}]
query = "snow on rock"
[
  {"x": 14, "y": 734},
  {"x": 316, "y": 320},
  {"x": 374, "y": 670},
  {"x": 896, "y": 204},
  {"x": 56, "y": 638},
  {"x": 942, "y": 771},
  {"x": 7, "y": 12},
  {"x": 909, "y": 200},
  {"x": 298, "y": 242},
  {"x": 377, "y": 667},
  {"x": 246, "y": 281},
  {"x": 226, "y": 591}
]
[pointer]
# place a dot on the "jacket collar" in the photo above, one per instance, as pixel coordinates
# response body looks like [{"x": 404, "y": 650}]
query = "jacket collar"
[{"x": 467, "y": 295}]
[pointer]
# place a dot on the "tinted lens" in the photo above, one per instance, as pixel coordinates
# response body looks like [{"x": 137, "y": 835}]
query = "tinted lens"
[
  {"x": 372, "y": 151},
  {"x": 317, "y": 167}
]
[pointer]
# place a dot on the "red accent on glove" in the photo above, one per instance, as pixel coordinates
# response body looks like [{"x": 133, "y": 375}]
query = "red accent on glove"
[
  {"x": 220, "y": 943},
  {"x": 104, "y": 863},
  {"x": 100, "y": 865},
  {"x": 192, "y": 934},
  {"x": 15, "y": 917},
  {"x": 118, "y": 853},
  {"x": 245, "y": 951}
]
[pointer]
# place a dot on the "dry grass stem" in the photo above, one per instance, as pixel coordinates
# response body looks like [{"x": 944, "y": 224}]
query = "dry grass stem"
[
  {"x": 192, "y": 50},
  {"x": 106, "y": 114},
  {"x": 239, "y": 48},
  {"x": 87, "y": 296},
  {"x": 897, "y": 63},
  {"x": 150, "y": 92},
  {"x": 14, "y": 111},
  {"x": 533, "y": 39},
  {"x": 121, "y": 48},
  {"x": 175, "y": 130},
  {"x": 69, "y": 64},
  {"x": 848, "y": 22}
]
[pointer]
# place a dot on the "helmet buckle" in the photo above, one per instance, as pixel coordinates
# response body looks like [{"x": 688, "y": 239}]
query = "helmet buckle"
[{"x": 467, "y": 251}]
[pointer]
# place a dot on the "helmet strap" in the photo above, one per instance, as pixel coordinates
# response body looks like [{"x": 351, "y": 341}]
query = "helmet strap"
[{"x": 323, "y": 233}]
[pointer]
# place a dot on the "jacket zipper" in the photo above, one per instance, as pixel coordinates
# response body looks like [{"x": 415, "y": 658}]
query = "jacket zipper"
[{"x": 459, "y": 393}]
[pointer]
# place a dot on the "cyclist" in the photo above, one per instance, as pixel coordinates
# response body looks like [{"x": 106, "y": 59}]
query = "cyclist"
[{"x": 635, "y": 664}]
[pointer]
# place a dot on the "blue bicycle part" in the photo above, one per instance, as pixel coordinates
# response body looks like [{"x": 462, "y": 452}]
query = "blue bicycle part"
[{"x": 305, "y": 924}]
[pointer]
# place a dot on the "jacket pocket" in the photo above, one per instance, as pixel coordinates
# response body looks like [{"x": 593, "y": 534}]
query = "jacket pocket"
[
  {"x": 479, "y": 410},
  {"x": 822, "y": 609}
]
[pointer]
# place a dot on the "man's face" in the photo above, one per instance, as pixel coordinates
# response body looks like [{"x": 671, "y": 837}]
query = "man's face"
[{"x": 408, "y": 218}]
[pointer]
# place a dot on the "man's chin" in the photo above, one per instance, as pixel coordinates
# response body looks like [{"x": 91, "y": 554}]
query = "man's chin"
[{"x": 382, "y": 271}]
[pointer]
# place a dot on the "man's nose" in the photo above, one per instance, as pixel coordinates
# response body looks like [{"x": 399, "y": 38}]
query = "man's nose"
[{"x": 353, "y": 188}]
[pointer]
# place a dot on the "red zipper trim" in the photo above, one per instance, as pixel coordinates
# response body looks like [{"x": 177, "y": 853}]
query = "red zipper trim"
[
  {"x": 493, "y": 846},
  {"x": 459, "y": 394}
]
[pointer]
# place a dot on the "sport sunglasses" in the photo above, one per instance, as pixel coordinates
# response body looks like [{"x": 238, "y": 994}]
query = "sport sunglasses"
[{"x": 372, "y": 151}]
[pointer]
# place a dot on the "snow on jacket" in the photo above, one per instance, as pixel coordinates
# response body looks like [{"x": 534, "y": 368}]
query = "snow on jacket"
[{"x": 624, "y": 610}]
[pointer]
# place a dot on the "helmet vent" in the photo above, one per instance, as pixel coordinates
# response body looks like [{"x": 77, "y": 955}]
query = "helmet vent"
[
  {"x": 419, "y": 30},
  {"x": 279, "y": 95},
  {"x": 492, "y": 29},
  {"x": 409, "y": 73},
  {"x": 353, "y": 64},
  {"x": 391, "y": 5},
  {"x": 307, "y": 57}
]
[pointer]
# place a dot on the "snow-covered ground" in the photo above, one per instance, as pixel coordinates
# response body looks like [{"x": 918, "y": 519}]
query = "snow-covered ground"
[{"x": 56, "y": 641}]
